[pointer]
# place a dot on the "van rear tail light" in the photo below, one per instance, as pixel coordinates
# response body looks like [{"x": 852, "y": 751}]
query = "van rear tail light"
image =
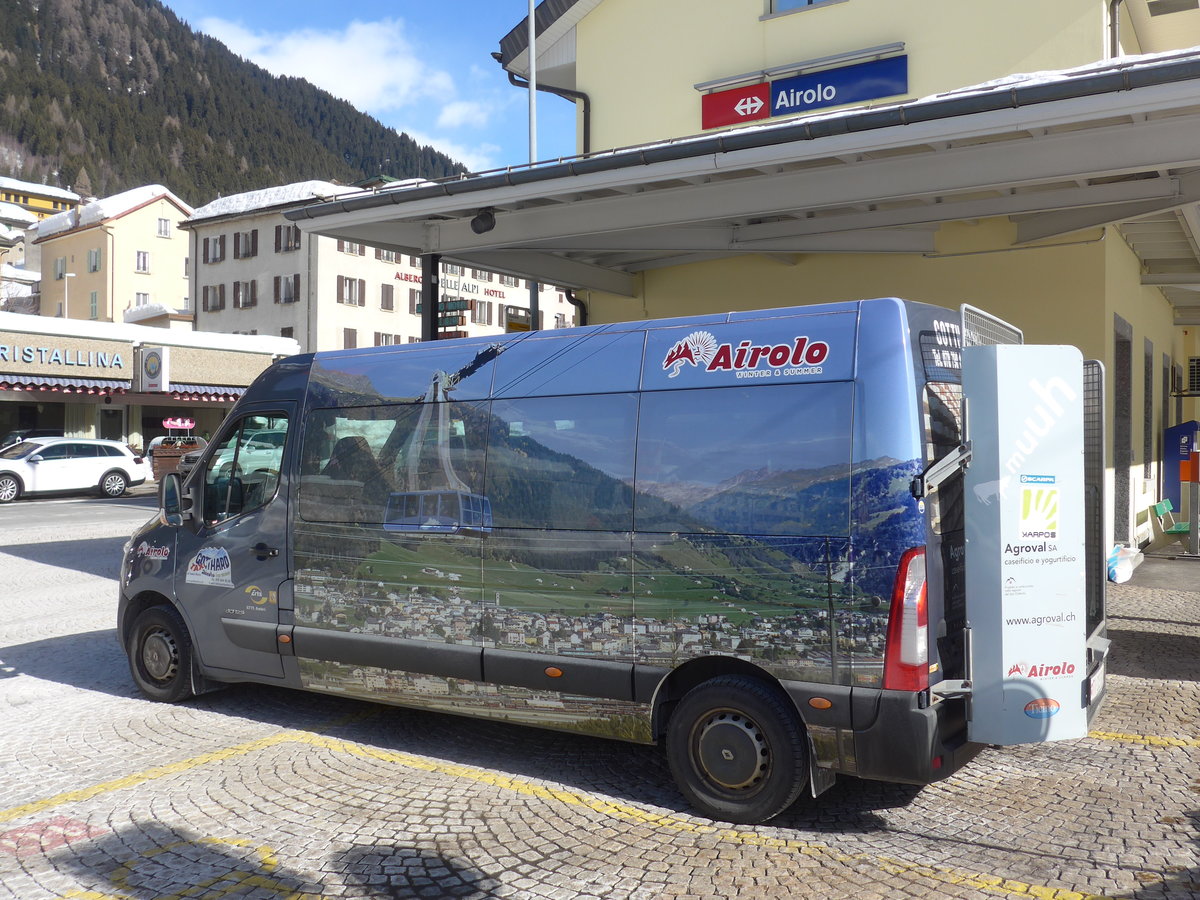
[{"x": 906, "y": 659}]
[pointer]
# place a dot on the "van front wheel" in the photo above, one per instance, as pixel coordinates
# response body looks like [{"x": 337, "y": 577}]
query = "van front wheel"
[
  {"x": 160, "y": 655},
  {"x": 737, "y": 749}
]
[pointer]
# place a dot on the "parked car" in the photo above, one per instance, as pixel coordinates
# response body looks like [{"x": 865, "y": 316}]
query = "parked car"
[
  {"x": 24, "y": 434},
  {"x": 60, "y": 465}
]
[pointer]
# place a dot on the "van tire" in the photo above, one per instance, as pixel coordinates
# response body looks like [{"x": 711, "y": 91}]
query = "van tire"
[
  {"x": 160, "y": 655},
  {"x": 737, "y": 749},
  {"x": 113, "y": 484},
  {"x": 10, "y": 488}
]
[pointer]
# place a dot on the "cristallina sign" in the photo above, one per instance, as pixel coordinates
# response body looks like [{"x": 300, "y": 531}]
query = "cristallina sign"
[{"x": 58, "y": 356}]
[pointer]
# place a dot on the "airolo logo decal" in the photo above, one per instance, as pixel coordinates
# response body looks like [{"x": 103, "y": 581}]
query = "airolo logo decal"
[
  {"x": 700, "y": 348},
  {"x": 1057, "y": 670}
]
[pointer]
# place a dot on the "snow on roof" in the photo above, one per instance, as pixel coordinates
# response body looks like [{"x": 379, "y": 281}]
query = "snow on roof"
[
  {"x": 44, "y": 190},
  {"x": 268, "y": 198},
  {"x": 16, "y": 215},
  {"x": 107, "y": 208},
  {"x": 145, "y": 334},
  {"x": 16, "y": 273}
]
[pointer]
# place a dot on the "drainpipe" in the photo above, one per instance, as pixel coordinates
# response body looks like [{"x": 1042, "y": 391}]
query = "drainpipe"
[
  {"x": 1114, "y": 28},
  {"x": 566, "y": 94},
  {"x": 582, "y": 317}
]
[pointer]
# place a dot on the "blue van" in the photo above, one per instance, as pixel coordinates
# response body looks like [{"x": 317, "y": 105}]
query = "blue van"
[{"x": 700, "y": 531}]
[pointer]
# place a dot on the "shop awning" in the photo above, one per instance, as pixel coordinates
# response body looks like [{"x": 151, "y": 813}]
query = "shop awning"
[
  {"x": 218, "y": 392},
  {"x": 64, "y": 385}
]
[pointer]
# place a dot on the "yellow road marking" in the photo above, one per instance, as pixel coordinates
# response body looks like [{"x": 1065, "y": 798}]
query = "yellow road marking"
[
  {"x": 986, "y": 883},
  {"x": 1148, "y": 739}
]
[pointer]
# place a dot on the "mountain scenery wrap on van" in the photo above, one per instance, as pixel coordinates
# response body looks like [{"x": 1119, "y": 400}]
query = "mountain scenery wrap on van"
[{"x": 702, "y": 493}]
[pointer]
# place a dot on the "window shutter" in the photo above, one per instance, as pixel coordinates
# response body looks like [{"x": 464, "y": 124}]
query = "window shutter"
[
  {"x": 254, "y": 242},
  {"x": 277, "y": 277},
  {"x": 206, "y": 250},
  {"x": 221, "y": 255},
  {"x": 341, "y": 288},
  {"x": 237, "y": 248},
  {"x": 204, "y": 294},
  {"x": 237, "y": 292},
  {"x": 278, "y": 238},
  {"x": 254, "y": 292},
  {"x": 378, "y": 255},
  {"x": 296, "y": 288},
  {"x": 362, "y": 292},
  {"x": 341, "y": 246},
  {"x": 221, "y": 289}
]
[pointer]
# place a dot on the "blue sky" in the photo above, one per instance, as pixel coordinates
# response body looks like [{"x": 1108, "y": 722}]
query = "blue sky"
[{"x": 422, "y": 68}]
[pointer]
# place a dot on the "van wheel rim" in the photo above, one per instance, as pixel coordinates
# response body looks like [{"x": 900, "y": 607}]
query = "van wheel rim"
[
  {"x": 731, "y": 751},
  {"x": 160, "y": 655}
]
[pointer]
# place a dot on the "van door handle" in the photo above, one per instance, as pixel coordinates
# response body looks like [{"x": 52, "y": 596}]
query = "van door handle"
[{"x": 262, "y": 551}]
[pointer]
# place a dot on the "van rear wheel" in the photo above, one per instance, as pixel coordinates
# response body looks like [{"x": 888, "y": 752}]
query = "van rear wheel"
[
  {"x": 737, "y": 749},
  {"x": 160, "y": 655}
]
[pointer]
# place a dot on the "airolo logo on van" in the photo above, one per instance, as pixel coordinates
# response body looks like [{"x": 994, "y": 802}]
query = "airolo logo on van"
[{"x": 700, "y": 349}]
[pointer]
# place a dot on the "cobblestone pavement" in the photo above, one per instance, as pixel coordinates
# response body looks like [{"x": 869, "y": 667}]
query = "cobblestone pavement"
[{"x": 254, "y": 792}]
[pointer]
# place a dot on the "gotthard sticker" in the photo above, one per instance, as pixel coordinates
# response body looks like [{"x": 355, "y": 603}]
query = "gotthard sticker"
[
  {"x": 749, "y": 360},
  {"x": 211, "y": 566}
]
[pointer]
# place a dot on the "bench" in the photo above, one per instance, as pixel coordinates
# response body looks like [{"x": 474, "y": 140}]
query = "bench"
[{"x": 1166, "y": 521}]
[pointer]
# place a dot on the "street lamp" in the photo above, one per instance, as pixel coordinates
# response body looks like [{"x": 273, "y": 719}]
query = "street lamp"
[{"x": 67, "y": 276}]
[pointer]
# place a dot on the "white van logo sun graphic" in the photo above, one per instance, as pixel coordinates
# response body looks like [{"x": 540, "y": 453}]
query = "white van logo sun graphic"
[{"x": 700, "y": 349}]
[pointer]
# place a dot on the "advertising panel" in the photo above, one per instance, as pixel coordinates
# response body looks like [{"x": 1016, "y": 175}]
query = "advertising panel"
[{"x": 1026, "y": 597}]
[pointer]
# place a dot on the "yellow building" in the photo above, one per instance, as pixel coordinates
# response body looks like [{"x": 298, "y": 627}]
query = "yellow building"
[
  {"x": 39, "y": 199},
  {"x": 784, "y": 152},
  {"x": 118, "y": 259}
]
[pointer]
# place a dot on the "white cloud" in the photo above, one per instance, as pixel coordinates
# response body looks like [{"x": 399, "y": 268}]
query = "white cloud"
[
  {"x": 370, "y": 64},
  {"x": 464, "y": 113}
]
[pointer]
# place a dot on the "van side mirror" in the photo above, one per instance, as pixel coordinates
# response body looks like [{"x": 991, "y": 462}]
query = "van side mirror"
[{"x": 171, "y": 511}]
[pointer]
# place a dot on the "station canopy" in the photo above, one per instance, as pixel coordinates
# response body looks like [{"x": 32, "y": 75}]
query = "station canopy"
[{"x": 1114, "y": 143}]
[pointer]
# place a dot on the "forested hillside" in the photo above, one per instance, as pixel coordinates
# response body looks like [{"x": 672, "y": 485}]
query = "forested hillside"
[{"x": 104, "y": 95}]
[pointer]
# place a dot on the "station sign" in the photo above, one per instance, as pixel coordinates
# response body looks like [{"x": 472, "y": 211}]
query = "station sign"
[{"x": 804, "y": 93}]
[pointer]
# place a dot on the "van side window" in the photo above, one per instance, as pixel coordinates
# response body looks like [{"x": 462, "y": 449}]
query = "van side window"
[{"x": 243, "y": 472}]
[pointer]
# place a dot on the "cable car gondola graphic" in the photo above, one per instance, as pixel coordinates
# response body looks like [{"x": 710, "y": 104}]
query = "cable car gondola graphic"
[{"x": 453, "y": 508}]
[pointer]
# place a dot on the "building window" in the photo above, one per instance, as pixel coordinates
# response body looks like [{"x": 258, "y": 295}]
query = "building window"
[
  {"x": 382, "y": 339},
  {"x": 481, "y": 275},
  {"x": 245, "y": 244},
  {"x": 212, "y": 297},
  {"x": 560, "y": 320},
  {"x": 245, "y": 294},
  {"x": 388, "y": 256},
  {"x": 187, "y": 304},
  {"x": 349, "y": 338},
  {"x": 93, "y": 262},
  {"x": 60, "y": 267},
  {"x": 1194, "y": 375},
  {"x": 287, "y": 238},
  {"x": 481, "y": 312},
  {"x": 387, "y": 298},
  {"x": 452, "y": 269},
  {"x": 287, "y": 288},
  {"x": 164, "y": 228},
  {"x": 287, "y": 331},
  {"x": 415, "y": 262},
  {"x": 141, "y": 299},
  {"x": 94, "y": 305},
  {"x": 351, "y": 291},
  {"x": 214, "y": 249},
  {"x": 143, "y": 261},
  {"x": 352, "y": 248},
  {"x": 509, "y": 281},
  {"x": 414, "y": 301}
]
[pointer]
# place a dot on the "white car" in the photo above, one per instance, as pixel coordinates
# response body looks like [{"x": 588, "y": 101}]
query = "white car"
[{"x": 54, "y": 465}]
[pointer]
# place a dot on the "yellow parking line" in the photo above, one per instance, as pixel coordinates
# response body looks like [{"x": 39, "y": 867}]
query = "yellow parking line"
[
  {"x": 1148, "y": 740},
  {"x": 987, "y": 883}
]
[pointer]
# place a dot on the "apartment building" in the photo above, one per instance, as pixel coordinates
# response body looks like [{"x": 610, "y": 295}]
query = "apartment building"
[
  {"x": 40, "y": 199},
  {"x": 118, "y": 259},
  {"x": 255, "y": 273}
]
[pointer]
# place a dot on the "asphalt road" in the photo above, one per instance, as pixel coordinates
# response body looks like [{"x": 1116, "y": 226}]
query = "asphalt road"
[{"x": 253, "y": 792}]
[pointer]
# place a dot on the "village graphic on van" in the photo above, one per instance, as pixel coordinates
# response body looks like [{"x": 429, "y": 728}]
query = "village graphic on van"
[{"x": 700, "y": 348}]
